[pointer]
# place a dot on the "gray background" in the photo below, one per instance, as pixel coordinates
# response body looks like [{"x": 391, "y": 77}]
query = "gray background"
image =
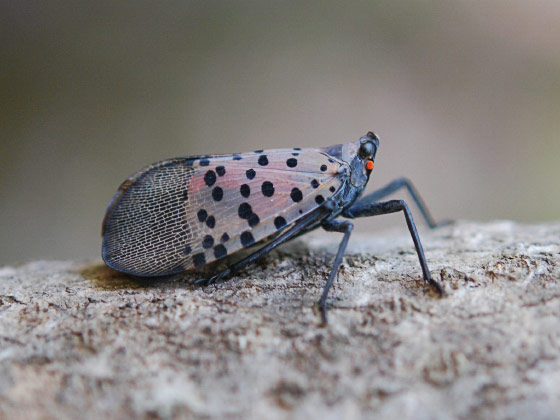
[{"x": 465, "y": 96}]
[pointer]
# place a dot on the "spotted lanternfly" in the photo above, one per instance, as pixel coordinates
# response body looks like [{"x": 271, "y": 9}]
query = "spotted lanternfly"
[{"x": 194, "y": 212}]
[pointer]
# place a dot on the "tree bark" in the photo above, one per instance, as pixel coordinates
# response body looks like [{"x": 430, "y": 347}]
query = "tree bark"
[{"x": 78, "y": 340}]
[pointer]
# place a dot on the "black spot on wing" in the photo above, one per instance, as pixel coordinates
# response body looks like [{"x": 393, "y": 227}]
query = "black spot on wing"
[
  {"x": 210, "y": 178},
  {"x": 202, "y": 215},
  {"x": 208, "y": 242},
  {"x": 296, "y": 195},
  {"x": 250, "y": 173},
  {"x": 253, "y": 220},
  {"x": 263, "y": 160},
  {"x": 267, "y": 188},
  {"x": 245, "y": 211},
  {"x": 247, "y": 239},
  {"x": 220, "y": 170},
  {"x": 199, "y": 259},
  {"x": 217, "y": 194},
  {"x": 279, "y": 222},
  {"x": 220, "y": 251},
  {"x": 245, "y": 190}
]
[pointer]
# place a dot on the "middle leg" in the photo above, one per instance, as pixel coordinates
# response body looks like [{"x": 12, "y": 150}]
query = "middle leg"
[
  {"x": 396, "y": 185},
  {"x": 345, "y": 227}
]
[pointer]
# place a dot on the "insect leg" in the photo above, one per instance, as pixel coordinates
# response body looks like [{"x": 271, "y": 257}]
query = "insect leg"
[
  {"x": 364, "y": 208},
  {"x": 397, "y": 184},
  {"x": 285, "y": 236},
  {"x": 345, "y": 227}
]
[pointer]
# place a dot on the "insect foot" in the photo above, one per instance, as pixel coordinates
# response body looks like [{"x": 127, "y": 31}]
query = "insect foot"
[
  {"x": 321, "y": 311},
  {"x": 212, "y": 279},
  {"x": 436, "y": 286}
]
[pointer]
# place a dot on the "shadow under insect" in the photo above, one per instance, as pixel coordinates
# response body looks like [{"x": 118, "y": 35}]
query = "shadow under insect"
[{"x": 103, "y": 277}]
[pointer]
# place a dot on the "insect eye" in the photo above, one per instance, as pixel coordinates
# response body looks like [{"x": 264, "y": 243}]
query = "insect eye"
[{"x": 366, "y": 150}]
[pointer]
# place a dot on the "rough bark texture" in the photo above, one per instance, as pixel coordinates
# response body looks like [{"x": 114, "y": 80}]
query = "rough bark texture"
[{"x": 79, "y": 340}]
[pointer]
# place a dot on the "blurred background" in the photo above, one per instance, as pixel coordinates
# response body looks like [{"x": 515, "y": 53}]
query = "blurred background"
[{"x": 465, "y": 96}]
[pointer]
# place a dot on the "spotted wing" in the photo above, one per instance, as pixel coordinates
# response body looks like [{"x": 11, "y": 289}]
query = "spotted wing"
[{"x": 183, "y": 213}]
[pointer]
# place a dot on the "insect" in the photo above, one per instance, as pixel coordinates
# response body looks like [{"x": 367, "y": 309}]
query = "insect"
[{"x": 192, "y": 213}]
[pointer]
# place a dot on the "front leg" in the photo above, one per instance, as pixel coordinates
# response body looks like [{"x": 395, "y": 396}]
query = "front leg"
[
  {"x": 396, "y": 185},
  {"x": 364, "y": 208}
]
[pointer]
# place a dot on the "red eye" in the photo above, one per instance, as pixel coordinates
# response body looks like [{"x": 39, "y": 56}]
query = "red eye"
[{"x": 369, "y": 165}]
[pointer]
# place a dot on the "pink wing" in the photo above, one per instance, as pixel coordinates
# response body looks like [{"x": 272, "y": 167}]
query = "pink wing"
[{"x": 181, "y": 214}]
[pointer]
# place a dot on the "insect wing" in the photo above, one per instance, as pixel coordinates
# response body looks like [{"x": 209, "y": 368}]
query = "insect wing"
[{"x": 183, "y": 213}]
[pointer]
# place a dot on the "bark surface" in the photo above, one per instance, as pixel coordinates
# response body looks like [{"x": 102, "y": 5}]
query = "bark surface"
[{"x": 78, "y": 340}]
